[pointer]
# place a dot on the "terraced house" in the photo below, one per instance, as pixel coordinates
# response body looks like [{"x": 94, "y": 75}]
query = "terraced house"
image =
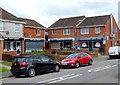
[
  {"x": 34, "y": 34},
  {"x": 95, "y": 33},
  {"x": 11, "y": 32},
  {"x": 19, "y": 34},
  {"x": 61, "y": 34}
]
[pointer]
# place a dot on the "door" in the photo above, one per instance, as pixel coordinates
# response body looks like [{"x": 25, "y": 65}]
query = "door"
[
  {"x": 61, "y": 45},
  {"x": 47, "y": 63}
]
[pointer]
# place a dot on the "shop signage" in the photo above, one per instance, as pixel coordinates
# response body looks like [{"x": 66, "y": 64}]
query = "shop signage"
[
  {"x": 97, "y": 44},
  {"x": 84, "y": 44}
]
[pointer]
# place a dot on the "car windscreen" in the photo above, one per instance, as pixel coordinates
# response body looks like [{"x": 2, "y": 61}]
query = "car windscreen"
[
  {"x": 18, "y": 60},
  {"x": 72, "y": 55}
]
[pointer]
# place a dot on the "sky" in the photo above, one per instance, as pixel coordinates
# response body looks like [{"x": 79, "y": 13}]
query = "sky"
[{"x": 46, "y": 12}]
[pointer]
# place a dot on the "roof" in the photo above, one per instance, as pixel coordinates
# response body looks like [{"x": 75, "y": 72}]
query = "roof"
[
  {"x": 6, "y": 15},
  {"x": 94, "y": 21},
  {"x": 30, "y": 22},
  {"x": 64, "y": 22}
]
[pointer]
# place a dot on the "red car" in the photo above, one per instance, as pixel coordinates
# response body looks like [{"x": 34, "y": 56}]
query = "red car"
[{"x": 77, "y": 59}]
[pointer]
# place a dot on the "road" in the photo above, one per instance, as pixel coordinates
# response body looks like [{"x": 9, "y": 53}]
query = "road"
[{"x": 103, "y": 70}]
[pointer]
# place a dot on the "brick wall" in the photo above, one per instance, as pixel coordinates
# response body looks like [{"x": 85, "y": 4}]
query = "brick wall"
[
  {"x": 59, "y": 33},
  {"x": 1, "y": 48},
  {"x": 27, "y": 32}
]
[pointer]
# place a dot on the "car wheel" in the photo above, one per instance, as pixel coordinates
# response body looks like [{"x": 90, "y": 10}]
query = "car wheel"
[
  {"x": 31, "y": 72},
  {"x": 57, "y": 68},
  {"x": 90, "y": 62},
  {"x": 77, "y": 64}
]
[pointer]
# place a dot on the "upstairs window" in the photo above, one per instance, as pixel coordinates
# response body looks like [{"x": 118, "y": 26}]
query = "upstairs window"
[
  {"x": 97, "y": 30},
  {"x": 17, "y": 28},
  {"x": 3, "y": 26},
  {"x": 54, "y": 32},
  {"x": 37, "y": 31},
  {"x": 66, "y": 31},
  {"x": 84, "y": 30}
]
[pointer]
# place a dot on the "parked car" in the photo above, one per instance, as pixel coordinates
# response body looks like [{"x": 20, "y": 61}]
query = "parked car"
[
  {"x": 114, "y": 52},
  {"x": 77, "y": 59},
  {"x": 33, "y": 64}
]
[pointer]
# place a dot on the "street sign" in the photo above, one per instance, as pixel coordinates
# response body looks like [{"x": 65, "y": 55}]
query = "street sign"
[{"x": 114, "y": 29}]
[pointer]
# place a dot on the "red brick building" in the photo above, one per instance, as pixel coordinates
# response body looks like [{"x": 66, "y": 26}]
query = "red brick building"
[
  {"x": 86, "y": 33},
  {"x": 61, "y": 34},
  {"x": 94, "y": 33},
  {"x": 34, "y": 34}
]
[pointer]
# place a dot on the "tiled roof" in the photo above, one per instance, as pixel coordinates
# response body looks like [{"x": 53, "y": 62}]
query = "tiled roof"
[
  {"x": 30, "y": 22},
  {"x": 95, "y": 20},
  {"x": 63, "y": 22},
  {"x": 8, "y": 16}
]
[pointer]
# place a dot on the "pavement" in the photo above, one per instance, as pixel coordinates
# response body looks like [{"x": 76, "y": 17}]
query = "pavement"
[{"x": 5, "y": 74}]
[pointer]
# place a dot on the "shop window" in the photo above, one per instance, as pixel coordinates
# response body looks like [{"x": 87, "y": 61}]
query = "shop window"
[
  {"x": 67, "y": 45},
  {"x": 84, "y": 44},
  {"x": 97, "y": 44}
]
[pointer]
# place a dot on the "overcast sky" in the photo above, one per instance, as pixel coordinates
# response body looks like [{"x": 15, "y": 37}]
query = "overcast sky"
[{"x": 47, "y": 12}]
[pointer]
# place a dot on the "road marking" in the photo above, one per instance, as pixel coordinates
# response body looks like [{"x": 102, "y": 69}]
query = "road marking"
[
  {"x": 65, "y": 78},
  {"x": 56, "y": 78},
  {"x": 62, "y": 78},
  {"x": 101, "y": 68}
]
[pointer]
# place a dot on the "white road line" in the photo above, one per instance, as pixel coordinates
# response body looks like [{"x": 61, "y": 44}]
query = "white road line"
[
  {"x": 55, "y": 78},
  {"x": 113, "y": 65},
  {"x": 65, "y": 78}
]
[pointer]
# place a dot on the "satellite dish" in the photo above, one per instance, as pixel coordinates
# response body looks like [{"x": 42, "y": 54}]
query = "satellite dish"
[{"x": 7, "y": 32}]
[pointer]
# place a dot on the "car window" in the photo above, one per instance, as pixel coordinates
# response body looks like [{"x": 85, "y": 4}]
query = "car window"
[
  {"x": 36, "y": 59},
  {"x": 72, "y": 55},
  {"x": 20, "y": 60},
  {"x": 45, "y": 59},
  {"x": 81, "y": 55}
]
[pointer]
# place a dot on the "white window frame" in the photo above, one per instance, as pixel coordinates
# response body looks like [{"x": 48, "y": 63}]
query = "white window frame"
[
  {"x": 97, "y": 30},
  {"x": 84, "y": 30},
  {"x": 38, "y": 32},
  {"x": 53, "y": 32},
  {"x": 17, "y": 28},
  {"x": 3, "y": 26},
  {"x": 67, "y": 32}
]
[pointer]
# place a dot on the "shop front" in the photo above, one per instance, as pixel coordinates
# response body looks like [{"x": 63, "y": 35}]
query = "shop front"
[
  {"x": 13, "y": 45},
  {"x": 34, "y": 44},
  {"x": 92, "y": 44},
  {"x": 62, "y": 43}
]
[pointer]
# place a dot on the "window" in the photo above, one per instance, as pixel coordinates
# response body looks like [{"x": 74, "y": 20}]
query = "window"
[
  {"x": 84, "y": 30},
  {"x": 66, "y": 31},
  {"x": 3, "y": 26},
  {"x": 53, "y": 32},
  {"x": 97, "y": 30},
  {"x": 45, "y": 59},
  {"x": 37, "y": 31},
  {"x": 17, "y": 28}
]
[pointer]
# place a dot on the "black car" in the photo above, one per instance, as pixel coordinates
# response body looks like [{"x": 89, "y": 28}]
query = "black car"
[{"x": 33, "y": 64}]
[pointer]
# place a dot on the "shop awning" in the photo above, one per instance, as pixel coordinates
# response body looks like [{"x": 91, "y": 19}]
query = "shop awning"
[
  {"x": 34, "y": 39},
  {"x": 92, "y": 38},
  {"x": 61, "y": 39}
]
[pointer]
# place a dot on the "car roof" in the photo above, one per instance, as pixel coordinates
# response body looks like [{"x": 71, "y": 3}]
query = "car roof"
[{"x": 27, "y": 56}]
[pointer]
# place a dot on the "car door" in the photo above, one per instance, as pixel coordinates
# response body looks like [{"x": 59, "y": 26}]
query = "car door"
[
  {"x": 47, "y": 63},
  {"x": 37, "y": 62},
  {"x": 81, "y": 58}
]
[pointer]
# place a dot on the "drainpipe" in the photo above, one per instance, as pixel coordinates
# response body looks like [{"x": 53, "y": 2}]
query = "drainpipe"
[{"x": 111, "y": 26}]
